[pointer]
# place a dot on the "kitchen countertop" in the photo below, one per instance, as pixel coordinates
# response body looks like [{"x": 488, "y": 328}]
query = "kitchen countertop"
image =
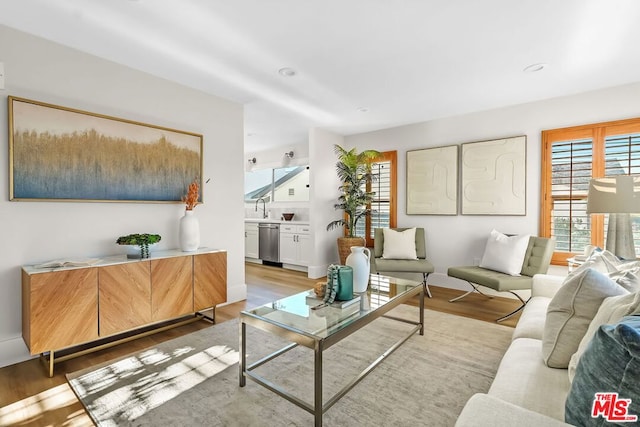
[{"x": 275, "y": 221}]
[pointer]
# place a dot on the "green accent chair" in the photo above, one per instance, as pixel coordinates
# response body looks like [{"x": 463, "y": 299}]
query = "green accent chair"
[
  {"x": 536, "y": 261},
  {"x": 402, "y": 268}
]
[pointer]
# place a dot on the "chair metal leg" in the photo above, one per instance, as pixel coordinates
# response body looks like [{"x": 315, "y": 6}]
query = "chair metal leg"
[
  {"x": 505, "y": 317},
  {"x": 424, "y": 283},
  {"x": 475, "y": 289}
]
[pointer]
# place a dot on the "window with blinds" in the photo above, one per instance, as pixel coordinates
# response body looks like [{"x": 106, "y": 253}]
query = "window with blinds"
[
  {"x": 571, "y": 168},
  {"x": 570, "y": 158},
  {"x": 383, "y": 207}
]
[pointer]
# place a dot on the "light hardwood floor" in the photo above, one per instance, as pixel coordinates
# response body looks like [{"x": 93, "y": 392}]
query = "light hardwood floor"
[{"x": 29, "y": 398}]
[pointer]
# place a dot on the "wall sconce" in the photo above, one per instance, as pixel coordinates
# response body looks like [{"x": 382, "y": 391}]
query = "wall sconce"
[
  {"x": 287, "y": 158},
  {"x": 252, "y": 161}
]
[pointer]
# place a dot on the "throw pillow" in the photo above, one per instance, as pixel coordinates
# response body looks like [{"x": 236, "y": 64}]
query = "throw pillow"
[
  {"x": 625, "y": 273},
  {"x": 605, "y": 389},
  {"x": 505, "y": 253},
  {"x": 570, "y": 312},
  {"x": 399, "y": 244},
  {"x": 611, "y": 311}
]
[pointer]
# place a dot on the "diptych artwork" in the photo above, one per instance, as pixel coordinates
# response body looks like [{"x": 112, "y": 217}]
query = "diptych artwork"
[
  {"x": 493, "y": 180},
  {"x": 432, "y": 181}
]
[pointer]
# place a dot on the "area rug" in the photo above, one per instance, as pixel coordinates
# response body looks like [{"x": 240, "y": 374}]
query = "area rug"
[{"x": 193, "y": 379}]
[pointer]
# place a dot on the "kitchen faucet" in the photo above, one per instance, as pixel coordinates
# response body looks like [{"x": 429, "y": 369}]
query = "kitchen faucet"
[{"x": 264, "y": 207}]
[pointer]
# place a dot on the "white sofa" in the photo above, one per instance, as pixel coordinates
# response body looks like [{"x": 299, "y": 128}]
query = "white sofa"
[{"x": 525, "y": 392}]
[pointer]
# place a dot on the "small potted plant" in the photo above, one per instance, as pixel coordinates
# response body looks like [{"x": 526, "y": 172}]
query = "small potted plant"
[
  {"x": 354, "y": 172},
  {"x": 142, "y": 241}
]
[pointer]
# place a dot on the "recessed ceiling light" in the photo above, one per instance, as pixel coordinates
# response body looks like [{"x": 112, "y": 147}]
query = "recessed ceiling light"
[
  {"x": 534, "y": 68},
  {"x": 287, "y": 72},
  {"x": 363, "y": 109}
]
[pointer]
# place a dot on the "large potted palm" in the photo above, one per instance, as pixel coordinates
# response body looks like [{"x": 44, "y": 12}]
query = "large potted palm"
[{"x": 354, "y": 172}]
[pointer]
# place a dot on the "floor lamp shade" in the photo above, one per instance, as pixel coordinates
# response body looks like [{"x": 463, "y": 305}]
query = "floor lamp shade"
[{"x": 619, "y": 197}]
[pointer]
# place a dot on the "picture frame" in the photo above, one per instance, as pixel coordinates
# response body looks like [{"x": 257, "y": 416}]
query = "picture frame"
[
  {"x": 432, "y": 181},
  {"x": 494, "y": 173},
  {"x": 63, "y": 154}
]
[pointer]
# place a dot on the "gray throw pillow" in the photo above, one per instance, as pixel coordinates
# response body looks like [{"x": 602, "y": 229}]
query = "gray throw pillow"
[
  {"x": 605, "y": 389},
  {"x": 570, "y": 312}
]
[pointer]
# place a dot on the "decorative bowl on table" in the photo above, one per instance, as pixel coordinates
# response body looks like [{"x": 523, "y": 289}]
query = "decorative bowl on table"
[{"x": 287, "y": 216}]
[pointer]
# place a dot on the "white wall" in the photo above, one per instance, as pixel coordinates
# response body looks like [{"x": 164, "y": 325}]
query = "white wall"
[
  {"x": 458, "y": 240},
  {"x": 324, "y": 195},
  {"x": 37, "y": 231}
]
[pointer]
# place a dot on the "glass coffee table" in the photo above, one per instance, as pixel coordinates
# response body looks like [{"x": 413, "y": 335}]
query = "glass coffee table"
[{"x": 291, "y": 319}]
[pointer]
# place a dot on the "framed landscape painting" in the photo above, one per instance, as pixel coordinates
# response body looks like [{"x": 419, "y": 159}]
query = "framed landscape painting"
[
  {"x": 432, "y": 181},
  {"x": 494, "y": 177},
  {"x": 63, "y": 154}
]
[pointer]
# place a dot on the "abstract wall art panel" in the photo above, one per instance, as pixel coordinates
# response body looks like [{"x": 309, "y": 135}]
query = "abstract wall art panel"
[
  {"x": 432, "y": 181},
  {"x": 494, "y": 177},
  {"x": 63, "y": 154}
]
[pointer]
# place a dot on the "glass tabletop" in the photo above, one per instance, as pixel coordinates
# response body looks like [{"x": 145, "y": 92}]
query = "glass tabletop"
[{"x": 299, "y": 313}]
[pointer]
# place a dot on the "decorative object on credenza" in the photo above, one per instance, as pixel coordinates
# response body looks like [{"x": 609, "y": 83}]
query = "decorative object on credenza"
[
  {"x": 354, "y": 173},
  {"x": 189, "y": 230},
  {"x": 432, "y": 181},
  {"x": 138, "y": 244},
  {"x": 494, "y": 177},
  {"x": 358, "y": 260},
  {"x": 63, "y": 154}
]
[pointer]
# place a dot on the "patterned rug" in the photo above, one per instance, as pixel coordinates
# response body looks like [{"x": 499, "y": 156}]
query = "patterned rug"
[{"x": 193, "y": 379}]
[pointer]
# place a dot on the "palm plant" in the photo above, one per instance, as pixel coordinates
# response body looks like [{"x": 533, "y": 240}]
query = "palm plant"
[{"x": 354, "y": 171}]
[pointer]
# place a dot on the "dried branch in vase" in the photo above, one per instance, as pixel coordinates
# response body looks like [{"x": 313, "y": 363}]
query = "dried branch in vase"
[{"x": 191, "y": 199}]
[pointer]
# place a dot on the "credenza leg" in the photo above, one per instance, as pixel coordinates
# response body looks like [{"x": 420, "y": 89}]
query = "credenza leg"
[{"x": 48, "y": 362}]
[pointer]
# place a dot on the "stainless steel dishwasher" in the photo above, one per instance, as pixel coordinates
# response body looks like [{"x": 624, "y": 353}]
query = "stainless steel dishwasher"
[{"x": 269, "y": 242}]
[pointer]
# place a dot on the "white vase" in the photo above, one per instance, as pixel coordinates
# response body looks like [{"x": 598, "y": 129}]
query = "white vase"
[
  {"x": 189, "y": 232},
  {"x": 359, "y": 262}
]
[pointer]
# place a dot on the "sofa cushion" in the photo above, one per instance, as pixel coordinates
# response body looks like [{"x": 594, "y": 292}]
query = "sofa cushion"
[
  {"x": 611, "y": 311},
  {"x": 505, "y": 253},
  {"x": 570, "y": 312},
  {"x": 399, "y": 244},
  {"x": 531, "y": 323},
  {"x": 611, "y": 364},
  {"x": 524, "y": 380}
]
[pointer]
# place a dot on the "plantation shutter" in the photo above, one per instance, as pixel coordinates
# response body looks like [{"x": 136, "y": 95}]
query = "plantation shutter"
[
  {"x": 571, "y": 170},
  {"x": 383, "y": 207}
]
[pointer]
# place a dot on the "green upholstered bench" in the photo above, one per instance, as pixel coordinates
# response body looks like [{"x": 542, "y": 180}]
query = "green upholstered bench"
[{"x": 536, "y": 261}]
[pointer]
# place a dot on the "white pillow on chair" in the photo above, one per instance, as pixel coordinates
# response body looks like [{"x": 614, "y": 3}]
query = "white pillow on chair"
[
  {"x": 399, "y": 244},
  {"x": 505, "y": 253}
]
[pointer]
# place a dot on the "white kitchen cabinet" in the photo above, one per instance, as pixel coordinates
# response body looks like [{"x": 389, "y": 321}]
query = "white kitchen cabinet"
[
  {"x": 251, "y": 240},
  {"x": 295, "y": 244}
]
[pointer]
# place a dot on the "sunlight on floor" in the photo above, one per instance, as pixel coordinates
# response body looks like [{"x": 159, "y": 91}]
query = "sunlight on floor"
[
  {"x": 32, "y": 408},
  {"x": 146, "y": 389}
]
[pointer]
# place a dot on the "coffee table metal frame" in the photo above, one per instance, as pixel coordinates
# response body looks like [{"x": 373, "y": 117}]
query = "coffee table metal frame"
[{"x": 319, "y": 345}]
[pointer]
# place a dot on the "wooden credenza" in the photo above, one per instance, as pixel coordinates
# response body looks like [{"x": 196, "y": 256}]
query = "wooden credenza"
[{"x": 66, "y": 307}]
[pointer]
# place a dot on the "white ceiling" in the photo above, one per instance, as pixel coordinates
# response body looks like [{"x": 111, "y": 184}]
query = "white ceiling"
[{"x": 403, "y": 61}]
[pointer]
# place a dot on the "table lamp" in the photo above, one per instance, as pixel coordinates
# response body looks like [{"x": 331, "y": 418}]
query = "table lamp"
[{"x": 619, "y": 197}]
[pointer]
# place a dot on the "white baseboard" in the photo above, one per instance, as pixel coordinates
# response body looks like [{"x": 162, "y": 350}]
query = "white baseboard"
[
  {"x": 12, "y": 351},
  {"x": 317, "y": 271},
  {"x": 236, "y": 293}
]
